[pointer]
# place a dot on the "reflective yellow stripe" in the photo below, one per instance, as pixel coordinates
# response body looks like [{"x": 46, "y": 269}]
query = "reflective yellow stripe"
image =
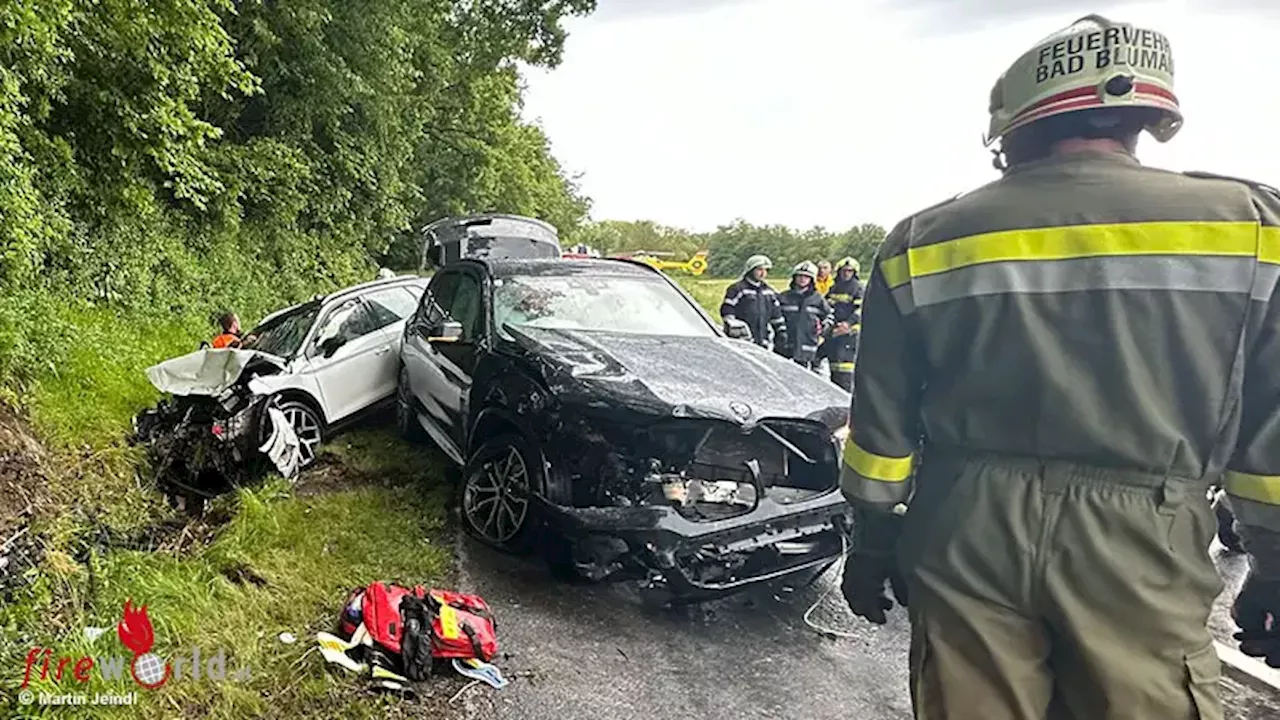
[
  {"x": 876, "y": 467},
  {"x": 896, "y": 271},
  {"x": 1235, "y": 239},
  {"x": 842, "y": 367},
  {"x": 1259, "y": 488},
  {"x": 1269, "y": 245}
]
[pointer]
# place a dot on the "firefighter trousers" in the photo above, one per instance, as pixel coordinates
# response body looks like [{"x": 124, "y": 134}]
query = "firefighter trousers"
[{"x": 1050, "y": 591}]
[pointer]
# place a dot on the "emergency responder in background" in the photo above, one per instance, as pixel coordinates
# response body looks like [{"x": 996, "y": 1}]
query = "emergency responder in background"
[
  {"x": 230, "y": 335},
  {"x": 807, "y": 316},
  {"x": 840, "y": 347},
  {"x": 751, "y": 302},
  {"x": 824, "y": 280},
  {"x": 1086, "y": 344}
]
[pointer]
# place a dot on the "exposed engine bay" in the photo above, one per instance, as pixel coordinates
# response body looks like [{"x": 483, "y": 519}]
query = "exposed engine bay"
[{"x": 699, "y": 507}]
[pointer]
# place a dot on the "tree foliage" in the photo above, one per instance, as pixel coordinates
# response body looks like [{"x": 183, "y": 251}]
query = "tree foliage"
[
  {"x": 191, "y": 155},
  {"x": 730, "y": 245}
]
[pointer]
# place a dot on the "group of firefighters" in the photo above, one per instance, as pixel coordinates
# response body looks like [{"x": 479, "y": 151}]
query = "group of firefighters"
[
  {"x": 1052, "y": 371},
  {"x": 815, "y": 319}
]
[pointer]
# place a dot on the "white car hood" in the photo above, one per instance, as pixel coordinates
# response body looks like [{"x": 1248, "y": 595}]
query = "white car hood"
[{"x": 204, "y": 372}]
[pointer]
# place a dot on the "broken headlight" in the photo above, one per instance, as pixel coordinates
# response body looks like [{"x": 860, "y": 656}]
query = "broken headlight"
[{"x": 699, "y": 498}]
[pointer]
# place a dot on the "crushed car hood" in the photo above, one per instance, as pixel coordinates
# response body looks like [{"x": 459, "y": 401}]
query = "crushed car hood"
[
  {"x": 681, "y": 376},
  {"x": 208, "y": 371}
]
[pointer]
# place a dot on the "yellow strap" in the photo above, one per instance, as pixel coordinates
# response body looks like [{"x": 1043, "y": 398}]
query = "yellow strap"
[
  {"x": 1259, "y": 488},
  {"x": 877, "y": 467}
]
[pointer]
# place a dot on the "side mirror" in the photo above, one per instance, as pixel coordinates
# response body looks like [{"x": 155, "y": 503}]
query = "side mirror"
[
  {"x": 737, "y": 329},
  {"x": 450, "y": 332}
]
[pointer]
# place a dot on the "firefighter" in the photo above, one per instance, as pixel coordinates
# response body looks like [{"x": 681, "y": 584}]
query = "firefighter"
[
  {"x": 1085, "y": 345},
  {"x": 824, "y": 280},
  {"x": 807, "y": 316},
  {"x": 841, "y": 345},
  {"x": 750, "y": 302}
]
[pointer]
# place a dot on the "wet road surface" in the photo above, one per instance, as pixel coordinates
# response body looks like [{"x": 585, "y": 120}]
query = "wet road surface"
[{"x": 594, "y": 652}]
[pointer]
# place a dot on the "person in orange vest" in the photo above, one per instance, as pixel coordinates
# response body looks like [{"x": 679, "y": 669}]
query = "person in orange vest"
[{"x": 230, "y": 335}]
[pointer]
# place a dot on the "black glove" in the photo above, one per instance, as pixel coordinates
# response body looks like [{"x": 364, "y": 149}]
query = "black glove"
[
  {"x": 1257, "y": 613},
  {"x": 871, "y": 564}
]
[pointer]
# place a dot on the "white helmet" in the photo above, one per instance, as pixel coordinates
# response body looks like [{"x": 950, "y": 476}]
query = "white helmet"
[{"x": 1094, "y": 63}]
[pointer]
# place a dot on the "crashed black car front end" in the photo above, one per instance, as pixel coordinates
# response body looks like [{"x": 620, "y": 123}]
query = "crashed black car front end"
[
  {"x": 698, "y": 508},
  {"x": 697, "y": 466}
]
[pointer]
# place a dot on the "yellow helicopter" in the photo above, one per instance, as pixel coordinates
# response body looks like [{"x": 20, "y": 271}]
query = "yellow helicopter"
[{"x": 695, "y": 265}]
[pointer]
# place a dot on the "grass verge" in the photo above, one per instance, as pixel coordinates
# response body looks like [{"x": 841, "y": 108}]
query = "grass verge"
[{"x": 275, "y": 558}]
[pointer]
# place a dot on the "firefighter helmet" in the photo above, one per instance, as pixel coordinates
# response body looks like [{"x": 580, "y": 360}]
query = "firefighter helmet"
[
  {"x": 1093, "y": 63},
  {"x": 805, "y": 268},
  {"x": 849, "y": 262},
  {"x": 757, "y": 261}
]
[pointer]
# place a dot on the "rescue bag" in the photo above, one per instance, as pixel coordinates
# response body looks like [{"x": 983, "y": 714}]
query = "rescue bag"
[{"x": 416, "y": 626}]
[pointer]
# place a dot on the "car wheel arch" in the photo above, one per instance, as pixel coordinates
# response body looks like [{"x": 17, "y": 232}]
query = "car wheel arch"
[
  {"x": 492, "y": 422},
  {"x": 305, "y": 398}
]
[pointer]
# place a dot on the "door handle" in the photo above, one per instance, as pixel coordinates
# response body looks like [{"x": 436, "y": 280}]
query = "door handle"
[{"x": 382, "y": 351}]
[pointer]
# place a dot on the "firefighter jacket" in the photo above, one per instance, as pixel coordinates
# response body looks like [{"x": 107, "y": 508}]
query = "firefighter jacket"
[
  {"x": 1085, "y": 309},
  {"x": 807, "y": 316},
  {"x": 845, "y": 298},
  {"x": 756, "y": 304}
]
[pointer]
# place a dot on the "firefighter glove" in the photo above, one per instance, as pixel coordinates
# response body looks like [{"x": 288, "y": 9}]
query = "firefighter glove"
[
  {"x": 871, "y": 565},
  {"x": 1257, "y": 613}
]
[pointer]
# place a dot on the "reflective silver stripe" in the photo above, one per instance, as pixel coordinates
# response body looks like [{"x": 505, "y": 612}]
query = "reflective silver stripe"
[
  {"x": 808, "y": 347},
  {"x": 732, "y": 300},
  {"x": 905, "y": 299},
  {"x": 1198, "y": 273},
  {"x": 790, "y": 308},
  {"x": 815, "y": 310},
  {"x": 874, "y": 492},
  {"x": 747, "y": 291},
  {"x": 1264, "y": 283}
]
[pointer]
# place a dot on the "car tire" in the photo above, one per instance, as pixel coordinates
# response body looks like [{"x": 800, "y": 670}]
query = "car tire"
[
  {"x": 494, "y": 496},
  {"x": 306, "y": 422},
  {"x": 407, "y": 424}
]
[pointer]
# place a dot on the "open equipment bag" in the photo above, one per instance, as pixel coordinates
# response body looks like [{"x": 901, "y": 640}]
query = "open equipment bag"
[{"x": 410, "y": 628}]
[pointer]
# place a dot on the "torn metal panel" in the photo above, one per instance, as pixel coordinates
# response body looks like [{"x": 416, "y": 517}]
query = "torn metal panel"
[{"x": 283, "y": 448}]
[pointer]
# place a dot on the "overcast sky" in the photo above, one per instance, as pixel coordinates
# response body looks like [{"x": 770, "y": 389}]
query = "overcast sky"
[{"x": 837, "y": 112}]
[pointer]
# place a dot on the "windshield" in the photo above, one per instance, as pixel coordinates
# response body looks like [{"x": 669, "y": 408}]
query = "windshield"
[
  {"x": 283, "y": 335},
  {"x": 638, "y": 305}
]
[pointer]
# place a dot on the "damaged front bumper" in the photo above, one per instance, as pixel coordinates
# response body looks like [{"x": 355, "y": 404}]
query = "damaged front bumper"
[{"x": 686, "y": 560}]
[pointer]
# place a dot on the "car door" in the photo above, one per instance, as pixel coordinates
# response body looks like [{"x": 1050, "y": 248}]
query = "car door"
[
  {"x": 390, "y": 307},
  {"x": 346, "y": 355},
  {"x": 440, "y": 369},
  {"x": 457, "y": 358},
  {"x": 424, "y": 375}
]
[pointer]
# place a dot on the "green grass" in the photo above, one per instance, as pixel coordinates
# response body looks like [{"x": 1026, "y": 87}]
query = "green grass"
[{"x": 271, "y": 559}]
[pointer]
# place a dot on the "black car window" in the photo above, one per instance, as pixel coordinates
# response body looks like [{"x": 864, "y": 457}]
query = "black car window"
[
  {"x": 466, "y": 305},
  {"x": 439, "y": 295},
  {"x": 390, "y": 305},
  {"x": 350, "y": 320}
]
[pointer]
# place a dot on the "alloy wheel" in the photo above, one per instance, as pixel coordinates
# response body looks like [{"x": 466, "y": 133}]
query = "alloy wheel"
[
  {"x": 494, "y": 499},
  {"x": 307, "y": 427}
]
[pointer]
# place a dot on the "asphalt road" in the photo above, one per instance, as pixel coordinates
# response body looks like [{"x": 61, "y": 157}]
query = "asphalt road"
[{"x": 595, "y": 653}]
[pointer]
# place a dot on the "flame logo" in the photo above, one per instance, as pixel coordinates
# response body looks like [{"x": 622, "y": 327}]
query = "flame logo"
[
  {"x": 135, "y": 632},
  {"x": 135, "y": 629}
]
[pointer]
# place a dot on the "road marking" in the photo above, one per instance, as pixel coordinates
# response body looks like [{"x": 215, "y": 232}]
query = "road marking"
[{"x": 1251, "y": 667}]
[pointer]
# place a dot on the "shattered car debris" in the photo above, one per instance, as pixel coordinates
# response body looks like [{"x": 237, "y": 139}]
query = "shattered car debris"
[
  {"x": 599, "y": 411},
  {"x": 309, "y": 370},
  {"x": 203, "y": 440}
]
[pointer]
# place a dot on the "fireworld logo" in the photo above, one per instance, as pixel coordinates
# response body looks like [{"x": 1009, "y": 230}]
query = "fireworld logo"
[{"x": 147, "y": 669}]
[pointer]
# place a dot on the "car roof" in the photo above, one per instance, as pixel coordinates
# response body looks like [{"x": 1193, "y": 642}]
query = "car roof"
[
  {"x": 555, "y": 267},
  {"x": 397, "y": 281}
]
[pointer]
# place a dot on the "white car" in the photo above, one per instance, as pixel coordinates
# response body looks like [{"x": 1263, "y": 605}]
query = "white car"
[{"x": 341, "y": 355}]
